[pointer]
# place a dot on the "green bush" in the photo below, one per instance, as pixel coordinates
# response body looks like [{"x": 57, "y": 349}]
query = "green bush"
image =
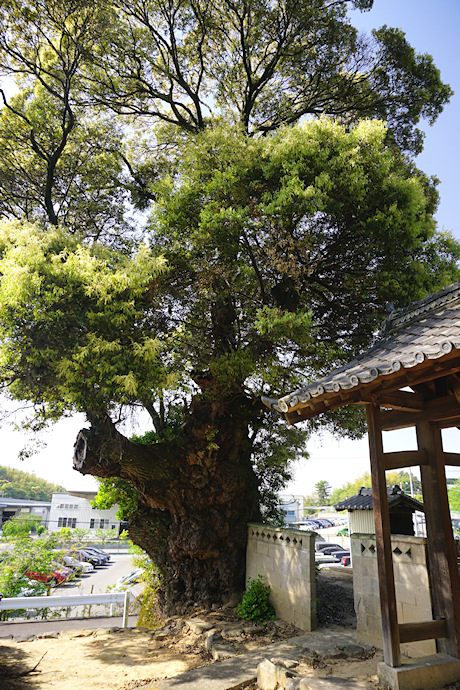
[
  {"x": 255, "y": 604},
  {"x": 20, "y": 525},
  {"x": 149, "y": 613}
]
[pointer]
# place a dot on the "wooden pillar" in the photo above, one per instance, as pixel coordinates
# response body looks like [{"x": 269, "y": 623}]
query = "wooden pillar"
[
  {"x": 390, "y": 630},
  {"x": 441, "y": 554}
]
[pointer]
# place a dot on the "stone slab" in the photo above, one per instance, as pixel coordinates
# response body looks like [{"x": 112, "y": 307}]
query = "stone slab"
[
  {"x": 241, "y": 670},
  {"x": 427, "y": 673},
  {"x": 331, "y": 684}
]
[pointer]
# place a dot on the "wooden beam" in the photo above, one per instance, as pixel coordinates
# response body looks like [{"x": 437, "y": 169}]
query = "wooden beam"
[
  {"x": 439, "y": 409},
  {"x": 452, "y": 459},
  {"x": 396, "y": 400},
  {"x": 425, "y": 630},
  {"x": 448, "y": 423},
  {"x": 390, "y": 630},
  {"x": 404, "y": 458},
  {"x": 441, "y": 553}
]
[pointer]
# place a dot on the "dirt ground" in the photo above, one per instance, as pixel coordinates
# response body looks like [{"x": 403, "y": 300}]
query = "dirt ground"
[
  {"x": 125, "y": 659},
  {"x": 119, "y": 659}
]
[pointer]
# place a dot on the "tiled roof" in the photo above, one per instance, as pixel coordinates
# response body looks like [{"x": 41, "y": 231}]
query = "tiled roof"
[
  {"x": 363, "y": 500},
  {"x": 428, "y": 329}
]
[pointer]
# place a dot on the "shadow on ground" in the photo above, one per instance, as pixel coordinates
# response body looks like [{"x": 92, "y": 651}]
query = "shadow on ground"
[{"x": 16, "y": 671}]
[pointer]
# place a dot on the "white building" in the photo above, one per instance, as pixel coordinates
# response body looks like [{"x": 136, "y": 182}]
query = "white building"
[
  {"x": 74, "y": 509},
  {"x": 11, "y": 507},
  {"x": 292, "y": 506}
]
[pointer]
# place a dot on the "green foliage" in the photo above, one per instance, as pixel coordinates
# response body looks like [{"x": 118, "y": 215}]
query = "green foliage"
[
  {"x": 27, "y": 554},
  {"x": 274, "y": 447},
  {"x": 68, "y": 537},
  {"x": 20, "y": 525},
  {"x": 259, "y": 64},
  {"x": 271, "y": 262},
  {"x": 323, "y": 492},
  {"x": 350, "y": 489},
  {"x": 453, "y": 493},
  {"x": 60, "y": 164},
  {"x": 86, "y": 305},
  {"x": 18, "y": 484},
  {"x": 255, "y": 604},
  {"x": 404, "y": 481},
  {"x": 116, "y": 490},
  {"x": 149, "y": 613}
]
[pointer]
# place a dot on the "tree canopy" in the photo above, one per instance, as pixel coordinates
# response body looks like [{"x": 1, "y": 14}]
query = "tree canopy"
[
  {"x": 256, "y": 65},
  {"x": 323, "y": 492},
  {"x": 265, "y": 261},
  {"x": 201, "y": 203}
]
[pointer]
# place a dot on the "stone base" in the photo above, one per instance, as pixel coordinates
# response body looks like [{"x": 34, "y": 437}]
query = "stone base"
[{"x": 426, "y": 673}]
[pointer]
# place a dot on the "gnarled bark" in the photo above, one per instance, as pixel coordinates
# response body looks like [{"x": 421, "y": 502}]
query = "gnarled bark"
[{"x": 196, "y": 497}]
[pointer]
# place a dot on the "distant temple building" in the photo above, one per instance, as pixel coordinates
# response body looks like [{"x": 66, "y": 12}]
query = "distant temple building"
[{"x": 361, "y": 511}]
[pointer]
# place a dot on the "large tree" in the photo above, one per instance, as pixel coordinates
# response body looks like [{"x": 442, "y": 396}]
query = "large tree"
[{"x": 265, "y": 252}]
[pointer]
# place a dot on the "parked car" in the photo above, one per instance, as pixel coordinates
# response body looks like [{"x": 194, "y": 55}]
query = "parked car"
[
  {"x": 320, "y": 557},
  {"x": 306, "y": 525},
  {"x": 343, "y": 532},
  {"x": 55, "y": 577},
  {"x": 130, "y": 579},
  {"x": 104, "y": 557},
  {"x": 332, "y": 550},
  {"x": 83, "y": 555},
  {"x": 338, "y": 555},
  {"x": 93, "y": 557},
  {"x": 100, "y": 551},
  {"x": 324, "y": 522},
  {"x": 76, "y": 565},
  {"x": 319, "y": 545},
  {"x": 328, "y": 545},
  {"x": 345, "y": 560}
]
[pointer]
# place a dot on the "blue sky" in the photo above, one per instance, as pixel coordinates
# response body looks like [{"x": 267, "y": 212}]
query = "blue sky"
[{"x": 431, "y": 26}]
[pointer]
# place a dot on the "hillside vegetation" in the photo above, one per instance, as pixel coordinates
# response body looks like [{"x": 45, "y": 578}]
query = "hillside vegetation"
[{"x": 18, "y": 484}]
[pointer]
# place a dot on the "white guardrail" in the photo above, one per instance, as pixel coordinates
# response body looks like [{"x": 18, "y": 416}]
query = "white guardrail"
[{"x": 15, "y": 603}]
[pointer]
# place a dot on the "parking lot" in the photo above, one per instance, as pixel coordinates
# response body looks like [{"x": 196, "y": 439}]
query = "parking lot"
[{"x": 100, "y": 579}]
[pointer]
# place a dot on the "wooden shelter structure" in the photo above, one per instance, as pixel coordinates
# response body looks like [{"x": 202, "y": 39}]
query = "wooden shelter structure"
[{"x": 409, "y": 378}]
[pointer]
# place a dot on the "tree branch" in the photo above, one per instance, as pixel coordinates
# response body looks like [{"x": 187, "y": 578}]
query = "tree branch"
[{"x": 103, "y": 452}]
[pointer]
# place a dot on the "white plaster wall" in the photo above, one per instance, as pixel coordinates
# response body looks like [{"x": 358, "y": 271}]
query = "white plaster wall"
[
  {"x": 411, "y": 583},
  {"x": 286, "y": 560}
]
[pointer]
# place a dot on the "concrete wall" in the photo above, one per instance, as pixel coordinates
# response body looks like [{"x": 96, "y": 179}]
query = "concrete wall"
[
  {"x": 286, "y": 559},
  {"x": 412, "y": 589}
]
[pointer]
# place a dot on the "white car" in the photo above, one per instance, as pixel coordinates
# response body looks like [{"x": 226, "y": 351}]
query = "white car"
[
  {"x": 82, "y": 566},
  {"x": 130, "y": 579}
]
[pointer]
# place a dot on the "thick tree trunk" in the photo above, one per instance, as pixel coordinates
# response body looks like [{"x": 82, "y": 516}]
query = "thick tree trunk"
[{"x": 196, "y": 494}]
